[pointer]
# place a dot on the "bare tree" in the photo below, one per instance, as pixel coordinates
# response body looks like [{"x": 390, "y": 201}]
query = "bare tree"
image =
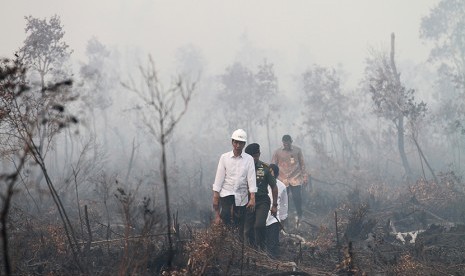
[
  {"x": 161, "y": 114},
  {"x": 392, "y": 100}
]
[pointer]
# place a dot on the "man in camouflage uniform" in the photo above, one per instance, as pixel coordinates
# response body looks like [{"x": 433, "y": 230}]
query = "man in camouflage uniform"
[{"x": 255, "y": 221}]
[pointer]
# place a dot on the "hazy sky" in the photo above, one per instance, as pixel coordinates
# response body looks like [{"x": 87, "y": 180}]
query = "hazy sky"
[{"x": 327, "y": 32}]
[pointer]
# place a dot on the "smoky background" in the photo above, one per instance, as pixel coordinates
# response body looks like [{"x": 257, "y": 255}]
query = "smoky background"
[{"x": 379, "y": 126}]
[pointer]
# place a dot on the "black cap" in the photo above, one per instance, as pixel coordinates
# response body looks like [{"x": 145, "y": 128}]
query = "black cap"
[
  {"x": 252, "y": 149},
  {"x": 287, "y": 138}
]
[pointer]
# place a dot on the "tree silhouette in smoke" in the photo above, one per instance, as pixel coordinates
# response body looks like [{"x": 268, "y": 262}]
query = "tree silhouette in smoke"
[{"x": 160, "y": 114}]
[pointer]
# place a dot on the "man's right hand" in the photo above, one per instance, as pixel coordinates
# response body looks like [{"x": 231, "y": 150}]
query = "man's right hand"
[
  {"x": 216, "y": 199},
  {"x": 216, "y": 207},
  {"x": 217, "y": 219}
]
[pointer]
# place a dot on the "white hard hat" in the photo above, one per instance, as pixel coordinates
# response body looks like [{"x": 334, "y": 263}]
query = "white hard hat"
[{"x": 239, "y": 135}]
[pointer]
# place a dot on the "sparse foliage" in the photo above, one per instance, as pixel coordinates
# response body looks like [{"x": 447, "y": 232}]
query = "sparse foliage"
[
  {"x": 238, "y": 86},
  {"x": 328, "y": 117},
  {"x": 445, "y": 27},
  {"x": 98, "y": 77},
  {"x": 254, "y": 94},
  {"x": 160, "y": 115},
  {"x": 268, "y": 92},
  {"x": 23, "y": 109},
  {"x": 44, "y": 49},
  {"x": 391, "y": 99}
]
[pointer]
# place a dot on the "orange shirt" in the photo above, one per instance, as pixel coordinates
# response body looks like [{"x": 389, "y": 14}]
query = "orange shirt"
[{"x": 291, "y": 166}]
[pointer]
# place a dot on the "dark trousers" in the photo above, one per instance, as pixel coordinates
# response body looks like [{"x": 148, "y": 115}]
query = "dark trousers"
[
  {"x": 296, "y": 192},
  {"x": 232, "y": 216},
  {"x": 272, "y": 239},
  {"x": 255, "y": 222}
]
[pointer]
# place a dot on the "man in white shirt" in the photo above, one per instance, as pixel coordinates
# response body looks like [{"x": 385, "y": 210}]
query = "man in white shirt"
[
  {"x": 272, "y": 224},
  {"x": 235, "y": 182}
]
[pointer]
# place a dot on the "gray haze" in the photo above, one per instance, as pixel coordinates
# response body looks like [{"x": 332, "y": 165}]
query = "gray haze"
[
  {"x": 381, "y": 128},
  {"x": 200, "y": 40},
  {"x": 294, "y": 34}
]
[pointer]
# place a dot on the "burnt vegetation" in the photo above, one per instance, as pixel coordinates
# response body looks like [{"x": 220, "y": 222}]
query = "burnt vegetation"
[{"x": 93, "y": 186}]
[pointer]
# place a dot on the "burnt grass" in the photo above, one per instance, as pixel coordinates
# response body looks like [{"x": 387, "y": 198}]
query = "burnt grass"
[{"x": 417, "y": 230}]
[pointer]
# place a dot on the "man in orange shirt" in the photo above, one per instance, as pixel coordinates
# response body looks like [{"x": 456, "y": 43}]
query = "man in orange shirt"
[{"x": 293, "y": 174}]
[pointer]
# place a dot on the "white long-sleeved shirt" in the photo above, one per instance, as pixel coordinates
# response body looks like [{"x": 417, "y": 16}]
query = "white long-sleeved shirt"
[
  {"x": 282, "y": 203},
  {"x": 236, "y": 176}
]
